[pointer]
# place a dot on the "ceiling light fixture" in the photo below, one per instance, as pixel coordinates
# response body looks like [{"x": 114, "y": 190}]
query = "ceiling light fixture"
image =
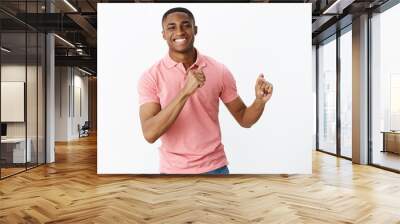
[
  {"x": 84, "y": 71},
  {"x": 5, "y": 50},
  {"x": 70, "y": 5},
  {"x": 64, "y": 40},
  {"x": 79, "y": 51}
]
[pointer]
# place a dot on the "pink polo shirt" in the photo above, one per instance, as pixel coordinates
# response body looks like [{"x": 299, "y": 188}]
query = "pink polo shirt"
[{"x": 193, "y": 143}]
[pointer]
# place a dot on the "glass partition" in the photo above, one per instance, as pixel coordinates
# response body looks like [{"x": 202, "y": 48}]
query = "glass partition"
[
  {"x": 22, "y": 63},
  {"x": 13, "y": 109},
  {"x": 32, "y": 95},
  {"x": 327, "y": 96}
]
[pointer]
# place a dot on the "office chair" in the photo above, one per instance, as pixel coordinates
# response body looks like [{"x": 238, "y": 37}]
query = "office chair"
[{"x": 84, "y": 130}]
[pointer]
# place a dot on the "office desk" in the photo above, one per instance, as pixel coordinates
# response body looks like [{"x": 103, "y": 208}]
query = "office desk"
[
  {"x": 391, "y": 141},
  {"x": 13, "y": 150}
]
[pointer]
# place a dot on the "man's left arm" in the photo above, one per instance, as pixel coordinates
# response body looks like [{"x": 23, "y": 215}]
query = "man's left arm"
[{"x": 247, "y": 116}]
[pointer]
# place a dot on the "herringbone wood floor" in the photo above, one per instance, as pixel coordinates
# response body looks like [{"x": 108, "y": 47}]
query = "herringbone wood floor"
[{"x": 70, "y": 191}]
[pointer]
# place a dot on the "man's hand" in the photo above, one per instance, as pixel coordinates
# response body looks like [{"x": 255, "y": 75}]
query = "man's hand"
[
  {"x": 194, "y": 80},
  {"x": 156, "y": 120},
  {"x": 263, "y": 89}
]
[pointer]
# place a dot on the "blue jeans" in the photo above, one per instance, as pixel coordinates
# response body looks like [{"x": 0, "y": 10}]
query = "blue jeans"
[{"x": 223, "y": 170}]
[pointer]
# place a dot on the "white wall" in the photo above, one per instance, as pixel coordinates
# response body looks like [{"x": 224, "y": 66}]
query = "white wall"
[
  {"x": 81, "y": 94},
  {"x": 314, "y": 88},
  {"x": 61, "y": 103},
  {"x": 68, "y": 83},
  {"x": 249, "y": 39}
]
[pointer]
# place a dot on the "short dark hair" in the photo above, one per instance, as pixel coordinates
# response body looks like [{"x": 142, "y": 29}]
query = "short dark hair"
[{"x": 178, "y": 9}]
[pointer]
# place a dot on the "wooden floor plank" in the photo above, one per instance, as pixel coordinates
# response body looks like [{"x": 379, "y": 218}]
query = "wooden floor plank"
[{"x": 70, "y": 191}]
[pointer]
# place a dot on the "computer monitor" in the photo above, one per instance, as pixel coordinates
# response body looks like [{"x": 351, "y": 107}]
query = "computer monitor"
[{"x": 3, "y": 129}]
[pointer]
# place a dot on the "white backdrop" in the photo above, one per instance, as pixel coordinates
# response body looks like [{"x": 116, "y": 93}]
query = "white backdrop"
[{"x": 249, "y": 39}]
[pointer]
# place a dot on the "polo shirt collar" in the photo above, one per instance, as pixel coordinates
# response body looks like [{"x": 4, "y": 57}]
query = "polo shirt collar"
[{"x": 169, "y": 62}]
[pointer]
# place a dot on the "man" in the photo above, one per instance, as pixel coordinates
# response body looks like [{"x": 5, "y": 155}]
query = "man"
[{"x": 179, "y": 98}]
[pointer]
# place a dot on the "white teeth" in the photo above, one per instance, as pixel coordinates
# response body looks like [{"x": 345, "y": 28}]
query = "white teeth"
[{"x": 180, "y": 40}]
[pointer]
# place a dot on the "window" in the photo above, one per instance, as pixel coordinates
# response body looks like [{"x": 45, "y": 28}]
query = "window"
[
  {"x": 346, "y": 94},
  {"x": 385, "y": 89},
  {"x": 327, "y": 96}
]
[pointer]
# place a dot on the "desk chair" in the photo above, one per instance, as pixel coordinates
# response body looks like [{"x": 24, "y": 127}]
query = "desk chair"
[{"x": 84, "y": 130}]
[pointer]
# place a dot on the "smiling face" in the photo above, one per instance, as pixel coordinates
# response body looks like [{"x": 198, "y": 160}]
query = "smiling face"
[{"x": 179, "y": 32}]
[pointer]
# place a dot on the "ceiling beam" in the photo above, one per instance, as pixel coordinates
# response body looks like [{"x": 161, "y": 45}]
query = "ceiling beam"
[
  {"x": 85, "y": 61},
  {"x": 321, "y": 20},
  {"x": 337, "y": 6},
  {"x": 84, "y": 24}
]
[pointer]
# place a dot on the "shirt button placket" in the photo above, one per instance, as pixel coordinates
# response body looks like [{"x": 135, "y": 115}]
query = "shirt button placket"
[{"x": 182, "y": 75}]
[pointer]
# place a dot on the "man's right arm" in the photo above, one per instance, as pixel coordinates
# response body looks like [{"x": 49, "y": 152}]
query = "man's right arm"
[{"x": 156, "y": 121}]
